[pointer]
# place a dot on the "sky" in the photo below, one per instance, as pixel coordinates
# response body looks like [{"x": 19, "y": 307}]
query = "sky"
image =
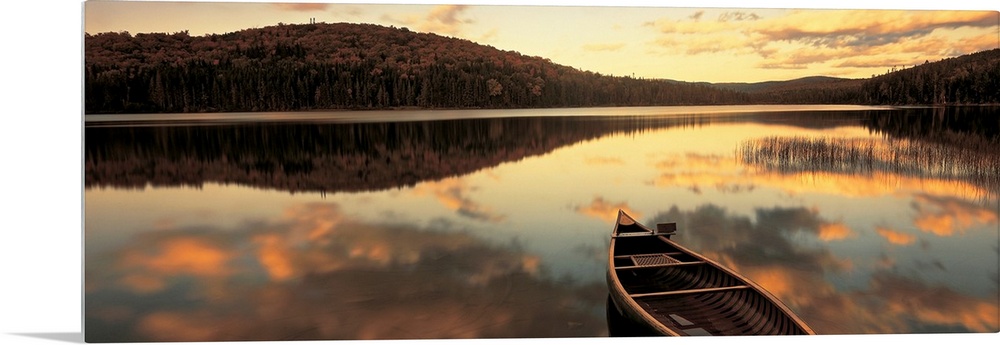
[{"x": 632, "y": 38}]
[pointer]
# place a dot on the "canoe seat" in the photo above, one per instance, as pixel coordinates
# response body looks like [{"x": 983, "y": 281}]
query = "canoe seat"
[{"x": 652, "y": 259}]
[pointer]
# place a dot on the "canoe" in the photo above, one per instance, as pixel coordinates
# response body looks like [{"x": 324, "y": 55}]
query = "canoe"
[{"x": 671, "y": 290}]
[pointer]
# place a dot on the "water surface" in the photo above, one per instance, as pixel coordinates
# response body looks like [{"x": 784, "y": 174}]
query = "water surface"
[{"x": 477, "y": 224}]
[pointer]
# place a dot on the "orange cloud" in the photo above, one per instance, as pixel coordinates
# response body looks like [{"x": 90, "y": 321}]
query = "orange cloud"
[
  {"x": 896, "y": 237},
  {"x": 777, "y": 281},
  {"x": 275, "y": 258},
  {"x": 834, "y": 232},
  {"x": 313, "y": 221},
  {"x": 975, "y": 43},
  {"x": 936, "y": 305},
  {"x": 183, "y": 256},
  {"x": 799, "y": 277},
  {"x": 868, "y": 27},
  {"x": 606, "y": 211},
  {"x": 823, "y": 306},
  {"x": 427, "y": 283},
  {"x": 845, "y": 38},
  {"x": 948, "y": 216},
  {"x": 147, "y": 269},
  {"x": 979, "y": 317}
]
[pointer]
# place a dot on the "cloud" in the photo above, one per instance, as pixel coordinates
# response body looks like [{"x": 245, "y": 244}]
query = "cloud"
[
  {"x": 914, "y": 299},
  {"x": 605, "y": 210},
  {"x": 896, "y": 237},
  {"x": 447, "y": 14},
  {"x": 147, "y": 266},
  {"x": 837, "y": 38},
  {"x": 765, "y": 251},
  {"x": 871, "y": 62},
  {"x": 599, "y": 47},
  {"x": 834, "y": 232},
  {"x": 441, "y": 19},
  {"x": 868, "y": 27},
  {"x": 283, "y": 279},
  {"x": 944, "y": 216},
  {"x": 738, "y": 16},
  {"x": 445, "y": 19},
  {"x": 768, "y": 241},
  {"x": 274, "y": 255},
  {"x": 799, "y": 59},
  {"x": 301, "y": 7},
  {"x": 701, "y": 29},
  {"x": 453, "y": 194}
]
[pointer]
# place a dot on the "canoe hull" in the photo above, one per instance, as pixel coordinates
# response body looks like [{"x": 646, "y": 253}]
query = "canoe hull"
[{"x": 674, "y": 291}]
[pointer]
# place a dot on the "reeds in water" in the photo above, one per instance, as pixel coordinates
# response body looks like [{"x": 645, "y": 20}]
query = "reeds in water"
[{"x": 974, "y": 162}]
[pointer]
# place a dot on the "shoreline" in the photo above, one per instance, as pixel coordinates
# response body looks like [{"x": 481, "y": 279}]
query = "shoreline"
[{"x": 426, "y": 114}]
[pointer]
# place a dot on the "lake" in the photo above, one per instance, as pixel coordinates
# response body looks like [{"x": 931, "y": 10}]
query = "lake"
[{"x": 495, "y": 223}]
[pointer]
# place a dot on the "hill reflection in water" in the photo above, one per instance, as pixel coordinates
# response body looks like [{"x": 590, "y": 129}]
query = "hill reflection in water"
[{"x": 325, "y": 157}]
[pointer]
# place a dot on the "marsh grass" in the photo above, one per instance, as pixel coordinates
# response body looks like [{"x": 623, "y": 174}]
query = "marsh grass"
[{"x": 961, "y": 160}]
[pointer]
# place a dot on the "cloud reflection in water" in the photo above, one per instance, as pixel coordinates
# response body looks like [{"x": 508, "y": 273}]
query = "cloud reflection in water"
[
  {"x": 771, "y": 252},
  {"x": 316, "y": 274}
]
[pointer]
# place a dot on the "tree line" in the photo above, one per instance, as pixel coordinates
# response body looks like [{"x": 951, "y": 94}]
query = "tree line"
[
  {"x": 347, "y": 66},
  {"x": 967, "y": 79},
  {"x": 367, "y": 66}
]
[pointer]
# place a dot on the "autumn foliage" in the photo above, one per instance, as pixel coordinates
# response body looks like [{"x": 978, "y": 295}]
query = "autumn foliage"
[
  {"x": 347, "y": 66},
  {"x": 366, "y": 66}
]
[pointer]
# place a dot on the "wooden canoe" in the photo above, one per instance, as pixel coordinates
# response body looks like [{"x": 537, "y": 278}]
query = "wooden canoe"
[{"x": 671, "y": 290}]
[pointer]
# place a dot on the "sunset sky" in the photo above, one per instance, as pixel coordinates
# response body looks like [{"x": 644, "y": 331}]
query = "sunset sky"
[{"x": 715, "y": 44}]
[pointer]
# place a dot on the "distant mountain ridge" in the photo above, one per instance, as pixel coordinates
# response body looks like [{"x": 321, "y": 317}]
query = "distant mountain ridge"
[
  {"x": 777, "y": 85},
  {"x": 367, "y": 66},
  {"x": 967, "y": 79}
]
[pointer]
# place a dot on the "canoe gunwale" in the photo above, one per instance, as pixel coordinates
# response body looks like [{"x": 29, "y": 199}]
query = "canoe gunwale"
[{"x": 689, "y": 291}]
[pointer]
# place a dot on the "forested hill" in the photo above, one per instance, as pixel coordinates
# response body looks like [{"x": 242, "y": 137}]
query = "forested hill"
[
  {"x": 347, "y": 66},
  {"x": 966, "y": 79}
]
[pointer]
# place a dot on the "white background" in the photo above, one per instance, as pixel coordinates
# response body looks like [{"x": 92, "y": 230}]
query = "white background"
[{"x": 41, "y": 173}]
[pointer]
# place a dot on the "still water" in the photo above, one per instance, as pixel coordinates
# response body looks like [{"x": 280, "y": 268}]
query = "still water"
[{"x": 485, "y": 224}]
